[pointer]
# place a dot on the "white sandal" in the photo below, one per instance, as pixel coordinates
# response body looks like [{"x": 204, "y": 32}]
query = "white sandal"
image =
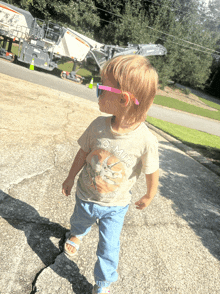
[
  {"x": 71, "y": 243},
  {"x": 103, "y": 289}
]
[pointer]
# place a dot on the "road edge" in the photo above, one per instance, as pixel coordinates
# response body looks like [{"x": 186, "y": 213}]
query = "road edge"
[{"x": 188, "y": 150}]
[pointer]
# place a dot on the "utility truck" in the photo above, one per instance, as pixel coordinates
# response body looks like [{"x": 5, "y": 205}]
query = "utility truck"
[{"x": 46, "y": 44}]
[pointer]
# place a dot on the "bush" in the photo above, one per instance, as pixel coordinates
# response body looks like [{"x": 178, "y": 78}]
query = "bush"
[{"x": 186, "y": 91}]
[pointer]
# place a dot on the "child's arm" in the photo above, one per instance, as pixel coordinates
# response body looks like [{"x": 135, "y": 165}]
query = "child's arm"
[
  {"x": 152, "y": 184},
  {"x": 77, "y": 165}
]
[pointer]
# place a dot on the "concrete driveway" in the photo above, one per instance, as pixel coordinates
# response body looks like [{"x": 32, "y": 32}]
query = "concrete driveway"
[{"x": 173, "y": 246}]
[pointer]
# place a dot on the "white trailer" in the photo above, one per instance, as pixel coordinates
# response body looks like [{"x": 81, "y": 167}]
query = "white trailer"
[{"x": 15, "y": 23}]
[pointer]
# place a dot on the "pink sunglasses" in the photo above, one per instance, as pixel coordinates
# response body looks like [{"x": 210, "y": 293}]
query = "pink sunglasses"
[{"x": 100, "y": 88}]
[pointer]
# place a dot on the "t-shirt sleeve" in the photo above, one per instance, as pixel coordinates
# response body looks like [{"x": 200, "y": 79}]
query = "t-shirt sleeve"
[
  {"x": 150, "y": 159},
  {"x": 84, "y": 140}
]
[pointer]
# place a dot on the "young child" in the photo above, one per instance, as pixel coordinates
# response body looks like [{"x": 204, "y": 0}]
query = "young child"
[{"x": 114, "y": 150}]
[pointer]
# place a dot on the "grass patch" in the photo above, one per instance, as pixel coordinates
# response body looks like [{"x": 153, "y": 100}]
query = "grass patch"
[
  {"x": 67, "y": 66},
  {"x": 14, "y": 49},
  {"x": 210, "y": 103},
  {"x": 179, "y": 105},
  {"x": 186, "y": 135}
]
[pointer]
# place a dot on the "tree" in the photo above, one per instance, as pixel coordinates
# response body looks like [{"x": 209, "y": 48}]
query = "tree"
[
  {"x": 78, "y": 15},
  {"x": 128, "y": 26},
  {"x": 143, "y": 22},
  {"x": 129, "y": 23},
  {"x": 24, "y": 4},
  {"x": 211, "y": 16},
  {"x": 192, "y": 64}
]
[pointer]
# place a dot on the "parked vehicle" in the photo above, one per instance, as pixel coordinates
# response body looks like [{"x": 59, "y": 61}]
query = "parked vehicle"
[{"x": 46, "y": 44}]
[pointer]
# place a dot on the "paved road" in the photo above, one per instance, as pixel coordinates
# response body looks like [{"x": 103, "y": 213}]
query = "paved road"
[
  {"x": 56, "y": 83},
  {"x": 187, "y": 120}
]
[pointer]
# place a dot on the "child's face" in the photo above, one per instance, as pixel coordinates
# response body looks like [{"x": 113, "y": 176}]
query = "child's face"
[{"x": 109, "y": 102}]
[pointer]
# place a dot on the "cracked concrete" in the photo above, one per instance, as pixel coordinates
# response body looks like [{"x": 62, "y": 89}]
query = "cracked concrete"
[{"x": 171, "y": 247}]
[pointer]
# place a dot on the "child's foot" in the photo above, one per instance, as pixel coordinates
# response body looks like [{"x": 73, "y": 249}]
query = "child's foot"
[
  {"x": 97, "y": 289},
  {"x": 71, "y": 249}
]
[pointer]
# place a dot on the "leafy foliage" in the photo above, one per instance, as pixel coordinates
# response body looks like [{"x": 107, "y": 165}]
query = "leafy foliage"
[
  {"x": 145, "y": 22},
  {"x": 212, "y": 16}
]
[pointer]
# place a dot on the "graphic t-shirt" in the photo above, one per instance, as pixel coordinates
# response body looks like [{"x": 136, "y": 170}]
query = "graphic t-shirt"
[{"x": 114, "y": 162}]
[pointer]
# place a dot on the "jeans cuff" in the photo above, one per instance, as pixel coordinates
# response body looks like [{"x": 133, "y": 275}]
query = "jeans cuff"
[
  {"x": 103, "y": 284},
  {"x": 68, "y": 235}
]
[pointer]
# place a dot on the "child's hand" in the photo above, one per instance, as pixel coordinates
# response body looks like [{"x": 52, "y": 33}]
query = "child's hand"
[
  {"x": 67, "y": 186},
  {"x": 143, "y": 202}
]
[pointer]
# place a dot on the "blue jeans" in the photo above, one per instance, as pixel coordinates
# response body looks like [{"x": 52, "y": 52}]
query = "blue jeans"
[{"x": 111, "y": 220}]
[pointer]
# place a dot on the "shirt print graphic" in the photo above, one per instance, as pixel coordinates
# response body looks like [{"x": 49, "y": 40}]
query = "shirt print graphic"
[{"x": 105, "y": 171}]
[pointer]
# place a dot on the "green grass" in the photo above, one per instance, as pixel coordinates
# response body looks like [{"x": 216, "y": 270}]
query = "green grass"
[
  {"x": 14, "y": 49},
  {"x": 179, "y": 105},
  {"x": 67, "y": 66},
  {"x": 210, "y": 103},
  {"x": 186, "y": 135}
]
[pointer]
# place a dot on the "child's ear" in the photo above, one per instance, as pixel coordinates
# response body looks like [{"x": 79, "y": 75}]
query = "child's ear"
[{"x": 126, "y": 99}]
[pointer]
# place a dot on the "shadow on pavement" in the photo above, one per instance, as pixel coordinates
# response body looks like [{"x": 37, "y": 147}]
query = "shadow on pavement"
[
  {"x": 195, "y": 196},
  {"x": 38, "y": 231}
]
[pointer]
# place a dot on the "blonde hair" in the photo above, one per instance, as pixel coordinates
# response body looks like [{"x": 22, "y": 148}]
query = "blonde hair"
[{"x": 134, "y": 74}]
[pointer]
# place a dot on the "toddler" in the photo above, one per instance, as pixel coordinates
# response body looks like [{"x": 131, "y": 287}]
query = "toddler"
[{"x": 114, "y": 151}]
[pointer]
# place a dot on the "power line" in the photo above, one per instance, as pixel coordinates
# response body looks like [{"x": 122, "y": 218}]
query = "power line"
[
  {"x": 108, "y": 12},
  {"x": 164, "y": 33},
  {"x": 172, "y": 9},
  {"x": 107, "y": 21},
  {"x": 162, "y": 5},
  {"x": 182, "y": 45},
  {"x": 191, "y": 48},
  {"x": 175, "y": 42},
  {"x": 181, "y": 39}
]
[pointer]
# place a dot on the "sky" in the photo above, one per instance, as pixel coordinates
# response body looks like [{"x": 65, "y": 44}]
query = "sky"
[{"x": 205, "y": 1}]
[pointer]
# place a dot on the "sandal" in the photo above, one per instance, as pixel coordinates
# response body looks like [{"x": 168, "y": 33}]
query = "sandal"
[
  {"x": 102, "y": 289},
  {"x": 69, "y": 242}
]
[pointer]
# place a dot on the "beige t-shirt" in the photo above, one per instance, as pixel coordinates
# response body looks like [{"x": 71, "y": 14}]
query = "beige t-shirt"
[{"x": 114, "y": 162}]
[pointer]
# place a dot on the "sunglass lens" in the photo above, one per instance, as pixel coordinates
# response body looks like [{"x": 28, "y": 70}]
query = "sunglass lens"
[{"x": 98, "y": 91}]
